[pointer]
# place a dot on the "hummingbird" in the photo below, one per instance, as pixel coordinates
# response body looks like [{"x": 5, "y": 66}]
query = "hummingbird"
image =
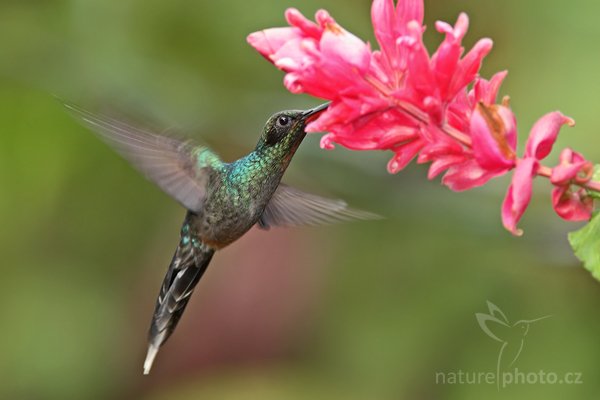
[{"x": 223, "y": 200}]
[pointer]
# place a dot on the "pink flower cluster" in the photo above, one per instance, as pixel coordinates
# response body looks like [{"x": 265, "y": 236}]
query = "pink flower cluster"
[{"x": 434, "y": 108}]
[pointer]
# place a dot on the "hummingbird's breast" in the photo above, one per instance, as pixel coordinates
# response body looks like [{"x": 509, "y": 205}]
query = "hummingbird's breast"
[{"x": 236, "y": 198}]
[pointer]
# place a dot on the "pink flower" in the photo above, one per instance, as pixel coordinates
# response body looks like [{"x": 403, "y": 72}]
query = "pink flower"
[
  {"x": 381, "y": 99},
  {"x": 465, "y": 162},
  {"x": 494, "y": 139},
  {"x": 572, "y": 167},
  {"x": 539, "y": 144},
  {"x": 494, "y": 135},
  {"x": 572, "y": 204},
  {"x": 518, "y": 194},
  {"x": 432, "y": 108},
  {"x": 319, "y": 59}
]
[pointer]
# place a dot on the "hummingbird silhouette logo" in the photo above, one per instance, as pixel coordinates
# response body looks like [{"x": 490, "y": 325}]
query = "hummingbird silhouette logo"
[
  {"x": 223, "y": 200},
  {"x": 496, "y": 325}
]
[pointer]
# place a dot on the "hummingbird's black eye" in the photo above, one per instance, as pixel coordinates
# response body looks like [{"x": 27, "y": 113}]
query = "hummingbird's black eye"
[
  {"x": 278, "y": 127},
  {"x": 283, "y": 121}
]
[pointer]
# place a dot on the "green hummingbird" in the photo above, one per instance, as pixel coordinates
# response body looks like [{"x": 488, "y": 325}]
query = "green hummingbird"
[{"x": 223, "y": 200}]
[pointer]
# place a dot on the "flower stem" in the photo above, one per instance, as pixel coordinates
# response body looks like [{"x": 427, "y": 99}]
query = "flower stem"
[{"x": 546, "y": 172}]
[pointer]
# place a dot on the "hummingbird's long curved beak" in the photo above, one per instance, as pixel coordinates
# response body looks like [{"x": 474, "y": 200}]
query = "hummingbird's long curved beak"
[{"x": 314, "y": 112}]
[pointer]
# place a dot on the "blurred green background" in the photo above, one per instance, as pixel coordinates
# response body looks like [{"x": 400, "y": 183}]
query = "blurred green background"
[{"x": 367, "y": 310}]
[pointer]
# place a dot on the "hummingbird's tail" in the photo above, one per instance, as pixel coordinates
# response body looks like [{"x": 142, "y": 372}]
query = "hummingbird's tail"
[{"x": 189, "y": 263}]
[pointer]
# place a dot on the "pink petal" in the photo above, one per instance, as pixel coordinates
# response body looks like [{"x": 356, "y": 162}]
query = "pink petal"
[
  {"x": 324, "y": 19},
  {"x": 269, "y": 41},
  {"x": 519, "y": 194},
  {"x": 458, "y": 32},
  {"x": 439, "y": 145},
  {"x": 327, "y": 141},
  {"x": 487, "y": 91},
  {"x": 398, "y": 134},
  {"x": 308, "y": 28},
  {"x": 421, "y": 77},
  {"x": 468, "y": 175},
  {"x": 562, "y": 175},
  {"x": 494, "y": 134},
  {"x": 459, "y": 111},
  {"x": 572, "y": 206},
  {"x": 293, "y": 83},
  {"x": 410, "y": 10},
  {"x": 404, "y": 155},
  {"x": 296, "y": 55},
  {"x": 445, "y": 60},
  {"x": 389, "y": 23},
  {"x": 442, "y": 164},
  {"x": 436, "y": 150},
  {"x": 469, "y": 66},
  {"x": 356, "y": 114},
  {"x": 544, "y": 134},
  {"x": 572, "y": 165},
  {"x": 338, "y": 112},
  {"x": 374, "y": 127},
  {"x": 386, "y": 29},
  {"x": 343, "y": 52}
]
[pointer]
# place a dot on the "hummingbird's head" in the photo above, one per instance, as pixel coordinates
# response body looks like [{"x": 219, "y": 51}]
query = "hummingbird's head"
[{"x": 285, "y": 130}]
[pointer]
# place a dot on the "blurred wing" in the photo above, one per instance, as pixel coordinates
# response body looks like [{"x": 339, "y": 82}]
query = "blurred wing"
[
  {"x": 292, "y": 207},
  {"x": 180, "y": 168}
]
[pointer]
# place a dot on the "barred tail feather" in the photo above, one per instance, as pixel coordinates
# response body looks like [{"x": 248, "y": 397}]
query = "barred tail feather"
[{"x": 189, "y": 263}]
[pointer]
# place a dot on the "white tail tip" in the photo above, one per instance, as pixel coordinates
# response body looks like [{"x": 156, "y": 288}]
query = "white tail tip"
[{"x": 150, "y": 356}]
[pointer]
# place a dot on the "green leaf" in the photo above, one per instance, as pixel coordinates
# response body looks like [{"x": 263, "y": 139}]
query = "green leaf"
[{"x": 586, "y": 245}]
